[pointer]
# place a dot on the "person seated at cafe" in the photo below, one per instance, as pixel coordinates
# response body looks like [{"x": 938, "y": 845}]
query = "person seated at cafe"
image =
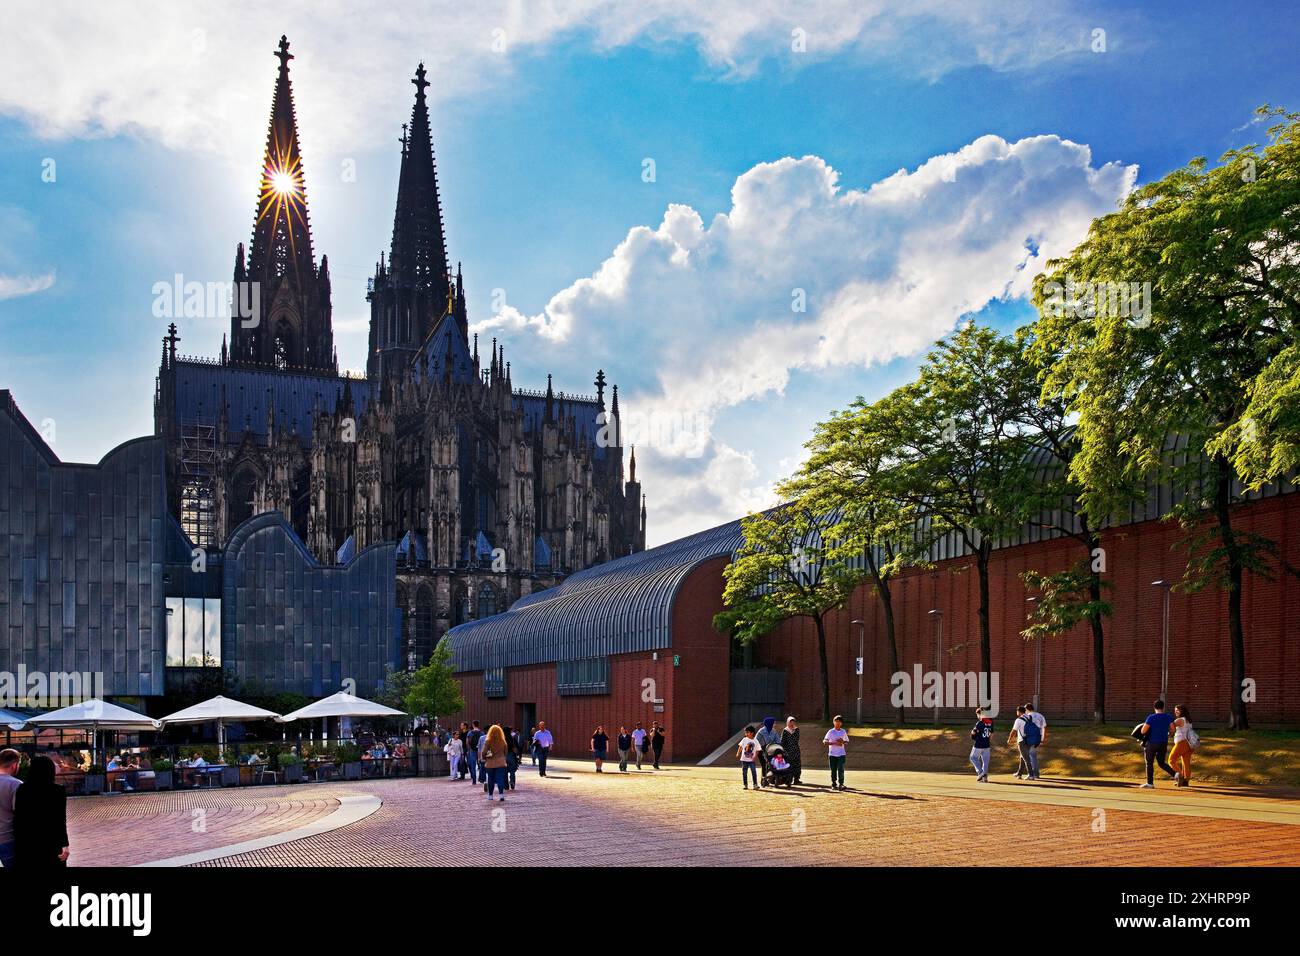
[
  {"x": 115, "y": 766},
  {"x": 197, "y": 763}
]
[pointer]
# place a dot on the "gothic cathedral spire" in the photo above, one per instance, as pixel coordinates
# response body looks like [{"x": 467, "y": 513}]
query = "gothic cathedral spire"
[
  {"x": 413, "y": 293},
  {"x": 282, "y": 316}
]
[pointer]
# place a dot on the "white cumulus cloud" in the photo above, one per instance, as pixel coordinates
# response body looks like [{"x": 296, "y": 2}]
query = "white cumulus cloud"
[{"x": 802, "y": 274}]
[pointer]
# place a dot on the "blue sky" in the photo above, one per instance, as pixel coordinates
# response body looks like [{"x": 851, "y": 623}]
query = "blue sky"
[{"x": 986, "y": 108}]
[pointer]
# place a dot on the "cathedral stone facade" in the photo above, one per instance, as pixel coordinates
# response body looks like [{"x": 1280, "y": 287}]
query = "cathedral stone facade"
[{"x": 488, "y": 492}]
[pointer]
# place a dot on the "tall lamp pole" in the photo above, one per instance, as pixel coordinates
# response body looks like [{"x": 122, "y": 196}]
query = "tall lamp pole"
[
  {"x": 1164, "y": 639},
  {"x": 862, "y": 666},
  {"x": 938, "y": 653},
  {"x": 1038, "y": 660}
]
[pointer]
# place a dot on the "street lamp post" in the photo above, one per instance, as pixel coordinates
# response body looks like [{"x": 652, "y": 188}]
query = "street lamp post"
[
  {"x": 862, "y": 639},
  {"x": 1038, "y": 662},
  {"x": 938, "y": 654},
  {"x": 1164, "y": 639}
]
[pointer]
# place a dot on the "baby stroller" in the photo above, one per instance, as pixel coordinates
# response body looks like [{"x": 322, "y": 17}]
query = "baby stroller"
[{"x": 773, "y": 777}]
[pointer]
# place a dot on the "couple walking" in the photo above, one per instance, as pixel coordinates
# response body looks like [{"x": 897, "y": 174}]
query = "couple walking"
[{"x": 1154, "y": 732}]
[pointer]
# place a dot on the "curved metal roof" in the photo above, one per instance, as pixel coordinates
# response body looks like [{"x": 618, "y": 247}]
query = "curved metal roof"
[{"x": 618, "y": 607}]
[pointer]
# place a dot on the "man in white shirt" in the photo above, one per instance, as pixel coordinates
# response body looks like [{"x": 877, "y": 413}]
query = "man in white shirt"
[
  {"x": 543, "y": 742},
  {"x": 835, "y": 740},
  {"x": 638, "y": 737}
]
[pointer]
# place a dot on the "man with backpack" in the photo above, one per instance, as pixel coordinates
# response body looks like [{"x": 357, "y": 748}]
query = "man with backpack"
[
  {"x": 471, "y": 750},
  {"x": 1026, "y": 735},
  {"x": 1041, "y": 721}
]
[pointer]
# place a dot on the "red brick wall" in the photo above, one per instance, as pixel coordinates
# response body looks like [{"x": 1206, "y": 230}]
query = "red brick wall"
[
  {"x": 1136, "y": 555},
  {"x": 694, "y": 693}
]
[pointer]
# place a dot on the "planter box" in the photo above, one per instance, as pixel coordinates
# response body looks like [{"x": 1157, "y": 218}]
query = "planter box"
[
  {"x": 94, "y": 782},
  {"x": 162, "y": 779},
  {"x": 230, "y": 776},
  {"x": 292, "y": 774},
  {"x": 352, "y": 771}
]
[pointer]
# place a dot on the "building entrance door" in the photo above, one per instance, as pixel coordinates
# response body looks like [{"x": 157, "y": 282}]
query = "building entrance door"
[{"x": 527, "y": 717}]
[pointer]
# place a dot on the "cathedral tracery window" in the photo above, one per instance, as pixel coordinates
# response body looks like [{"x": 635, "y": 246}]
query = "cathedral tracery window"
[{"x": 282, "y": 349}]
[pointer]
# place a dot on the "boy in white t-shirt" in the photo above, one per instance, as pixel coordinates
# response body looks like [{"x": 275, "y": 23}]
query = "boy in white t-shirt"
[
  {"x": 747, "y": 751},
  {"x": 835, "y": 740}
]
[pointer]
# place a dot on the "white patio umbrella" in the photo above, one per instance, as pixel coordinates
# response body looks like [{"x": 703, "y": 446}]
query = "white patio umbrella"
[
  {"x": 94, "y": 715},
  {"x": 219, "y": 709},
  {"x": 341, "y": 704}
]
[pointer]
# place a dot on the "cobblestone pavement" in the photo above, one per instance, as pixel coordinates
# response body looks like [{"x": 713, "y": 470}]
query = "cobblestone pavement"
[{"x": 681, "y": 816}]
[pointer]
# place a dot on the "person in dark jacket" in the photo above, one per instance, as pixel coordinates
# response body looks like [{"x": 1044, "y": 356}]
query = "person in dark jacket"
[
  {"x": 40, "y": 819},
  {"x": 657, "y": 735}
]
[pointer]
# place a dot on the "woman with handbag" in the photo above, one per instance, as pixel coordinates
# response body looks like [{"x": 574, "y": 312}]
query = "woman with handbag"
[{"x": 1185, "y": 741}]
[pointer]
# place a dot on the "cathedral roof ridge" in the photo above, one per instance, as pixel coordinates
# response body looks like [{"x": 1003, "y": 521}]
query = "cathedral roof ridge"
[{"x": 568, "y": 396}]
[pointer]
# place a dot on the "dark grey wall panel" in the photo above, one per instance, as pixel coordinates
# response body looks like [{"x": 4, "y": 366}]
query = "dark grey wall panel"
[
  {"x": 302, "y": 627},
  {"x": 81, "y": 559}
]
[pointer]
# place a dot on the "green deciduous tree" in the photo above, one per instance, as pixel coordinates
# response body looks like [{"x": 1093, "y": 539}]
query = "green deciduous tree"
[
  {"x": 432, "y": 690},
  {"x": 848, "y": 475},
  {"x": 1218, "y": 250},
  {"x": 786, "y": 568},
  {"x": 961, "y": 440}
]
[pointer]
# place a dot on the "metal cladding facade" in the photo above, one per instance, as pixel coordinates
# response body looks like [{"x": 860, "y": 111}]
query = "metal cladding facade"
[
  {"x": 301, "y": 627},
  {"x": 82, "y": 549},
  {"x": 622, "y": 607}
]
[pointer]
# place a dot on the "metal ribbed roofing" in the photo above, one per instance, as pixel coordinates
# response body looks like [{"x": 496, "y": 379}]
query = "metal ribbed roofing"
[{"x": 613, "y": 608}]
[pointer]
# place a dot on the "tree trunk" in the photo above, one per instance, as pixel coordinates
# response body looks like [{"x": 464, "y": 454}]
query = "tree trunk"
[
  {"x": 887, "y": 602},
  {"x": 986, "y": 644},
  {"x": 1098, "y": 636},
  {"x": 1236, "y": 634},
  {"x": 826, "y": 671}
]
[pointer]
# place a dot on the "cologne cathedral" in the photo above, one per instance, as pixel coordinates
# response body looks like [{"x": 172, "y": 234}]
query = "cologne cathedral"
[{"x": 487, "y": 492}]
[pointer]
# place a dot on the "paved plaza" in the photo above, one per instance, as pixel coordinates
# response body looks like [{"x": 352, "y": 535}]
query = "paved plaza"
[{"x": 691, "y": 816}]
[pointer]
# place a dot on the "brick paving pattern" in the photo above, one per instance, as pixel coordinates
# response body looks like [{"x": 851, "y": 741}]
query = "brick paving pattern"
[{"x": 678, "y": 817}]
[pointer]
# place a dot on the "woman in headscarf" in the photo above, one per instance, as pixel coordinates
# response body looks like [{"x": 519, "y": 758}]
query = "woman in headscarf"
[
  {"x": 494, "y": 760},
  {"x": 767, "y": 736},
  {"x": 790, "y": 742}
]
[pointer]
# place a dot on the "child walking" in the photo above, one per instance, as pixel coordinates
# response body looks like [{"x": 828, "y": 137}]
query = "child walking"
[
  {"x": 981, "y": 736},
  {"x": 748, "y": 754}
]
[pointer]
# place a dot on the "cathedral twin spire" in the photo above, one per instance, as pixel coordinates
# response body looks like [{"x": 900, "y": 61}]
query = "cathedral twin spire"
[{"x": 281, "y": 303}]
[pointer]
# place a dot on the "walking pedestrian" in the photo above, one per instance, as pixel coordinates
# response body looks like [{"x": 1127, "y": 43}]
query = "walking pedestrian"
[
  {"x": 599, "y": 744},
  {"x": 790, "y": 743},
  {"x": 624, "y": 748},
  {"x": 9, "y": 784},
  {"x": 471, "y": 741},
  {"x": 1155, "y": 742},
  {"x": 532, "y": 744},
  {"x": 981, "y": 737},
  {"x": 513, "y": 754},
  {"x": 542, "y": 743},
  {"x": 638, "y": 741},
  {"x": 482, "y": 767},
  {"x": 494, "y": 760},
  {"x": 1024, "y": 734},
  {"x": 455, "y": 751},
  {"x": 1041, "y": 722},
  {"x": 657, "y": 737},
  {"x": 40, "y": 819},
  {"x": 836, "y": 740},
  {"x": 747, "y": 751},
  {"x": 1185, "y": 741}
]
